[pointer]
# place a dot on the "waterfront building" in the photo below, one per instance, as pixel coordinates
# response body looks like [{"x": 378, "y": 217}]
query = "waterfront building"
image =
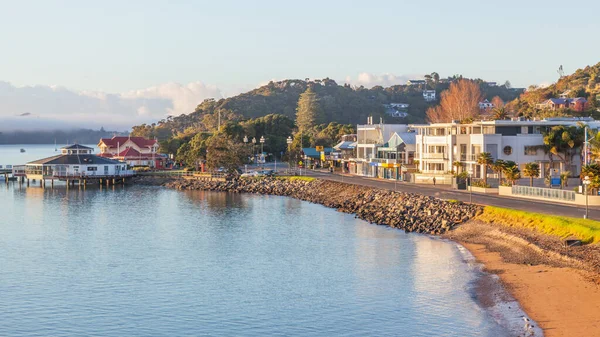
[
  {"x": 520, "y": 140},
  {"x": 382, "y": 146},
  {"x": 75, "y": 162},
  {"x": 135, "y": 151}
]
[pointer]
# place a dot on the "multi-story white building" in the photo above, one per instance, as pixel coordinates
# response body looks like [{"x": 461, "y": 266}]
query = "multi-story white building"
[
  {"x": 441, "y": 144},
  {"x": 380, "y": 146}
]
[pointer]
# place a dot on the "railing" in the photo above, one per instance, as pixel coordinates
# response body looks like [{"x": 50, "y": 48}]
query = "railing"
[
  {"x": 546, "y": 193},
  {"x": 468, "y": 157},
  {"x": 434, "y": 156},
  {"x": 92, "y": 174},
  {"x": 6, "y": 167},
  {"x": 383, "y": 160}
]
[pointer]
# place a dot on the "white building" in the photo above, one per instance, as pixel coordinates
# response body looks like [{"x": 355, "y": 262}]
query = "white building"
[
  {"x": 397, "y": 109},
  {"x": 75, "y": 162},
  {"x": 429, "y": 95},
  {"x": 439, "y": 145},
  {"x": 485, "y": 106},
  {"x": 379, "y": 146}
]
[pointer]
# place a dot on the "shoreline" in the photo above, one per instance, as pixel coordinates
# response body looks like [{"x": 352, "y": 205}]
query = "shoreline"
[{"x": 557, "y": 289}]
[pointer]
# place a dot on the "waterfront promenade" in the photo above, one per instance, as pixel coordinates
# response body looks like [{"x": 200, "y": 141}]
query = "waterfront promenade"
[{"x": 446, "y": 192}]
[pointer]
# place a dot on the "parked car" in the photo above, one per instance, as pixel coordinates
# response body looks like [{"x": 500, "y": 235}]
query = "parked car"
[
  {"x": 268, "y": 173},
  {"x": 250, "y": 174}
]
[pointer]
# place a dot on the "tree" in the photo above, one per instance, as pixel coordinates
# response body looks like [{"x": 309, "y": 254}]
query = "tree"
[
  {"x": 436, "y": 77},
  {"x": 485, "y": 159},
  {"x": 459, "y": 165},
  {"x": 498, "y": 167},
  {"x": 531, "y": 170},
  {"x": 564, "y": 142},
  {"x": 497, "y": 102},
  {"x": 507, "y": 84},
  {"x": 499, "y": 113},
  {"x": 460, "y": 102},
  {"x": 512, "y": 173},
  {"x": 308, "y": 110},
  {"x": 223, "y": 151}
]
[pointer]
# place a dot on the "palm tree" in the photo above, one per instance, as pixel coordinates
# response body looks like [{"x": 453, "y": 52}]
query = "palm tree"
[
  {"x": 531, "y": 170},
  {"x": 485, "y": 159},
  {"x": 512, "y": 173},
  {"x": 499, "y": 113},
  {"x": 458, "y": 166},
  {"x": 498, "y": 167},
  {"x": 564, "y": 141}
]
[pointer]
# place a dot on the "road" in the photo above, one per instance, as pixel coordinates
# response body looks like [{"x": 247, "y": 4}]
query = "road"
[{"x": 445, "y": 192}]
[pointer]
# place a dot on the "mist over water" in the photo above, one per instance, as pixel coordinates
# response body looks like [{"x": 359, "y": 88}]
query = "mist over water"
[{"x": 141, "y": 261}]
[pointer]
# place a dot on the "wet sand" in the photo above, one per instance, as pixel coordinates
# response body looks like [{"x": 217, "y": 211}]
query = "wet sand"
[{"x": 559, "y": 292}]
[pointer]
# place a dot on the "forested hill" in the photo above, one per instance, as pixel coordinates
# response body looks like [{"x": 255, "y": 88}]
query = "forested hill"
[
  {"x": 339, "y": 103},
  {"x": 583, "y": 82}
]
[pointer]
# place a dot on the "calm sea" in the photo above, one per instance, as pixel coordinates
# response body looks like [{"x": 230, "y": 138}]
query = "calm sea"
[{"x": 146, "y": 261}]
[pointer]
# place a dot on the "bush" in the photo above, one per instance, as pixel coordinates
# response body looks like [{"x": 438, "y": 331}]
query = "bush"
[{"x": 480, "y": 183}]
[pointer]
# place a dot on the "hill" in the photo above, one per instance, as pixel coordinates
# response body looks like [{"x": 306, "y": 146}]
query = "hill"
[
  {"x": 582, "y": 83},
  {"x": 343, "y": 104}
]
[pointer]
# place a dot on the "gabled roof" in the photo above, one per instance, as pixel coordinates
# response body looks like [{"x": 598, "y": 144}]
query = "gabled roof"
[
  {"x": 345, "y": 145},
  {"x": 76, "y": 147},
  {"x": 120, "y": 140},
  {"x": 74, "y": 159}
]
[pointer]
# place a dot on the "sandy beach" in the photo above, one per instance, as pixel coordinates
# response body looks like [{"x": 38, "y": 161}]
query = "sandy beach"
[{"x": 556, "y": 287}]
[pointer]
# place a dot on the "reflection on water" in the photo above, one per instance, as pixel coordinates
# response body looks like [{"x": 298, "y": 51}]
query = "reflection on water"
[{"x": 142, "y": 261}]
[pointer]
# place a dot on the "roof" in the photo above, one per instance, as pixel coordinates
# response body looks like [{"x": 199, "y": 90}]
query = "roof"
[
  {"x": 76, "y": 147},
  {"x": 312, "y": 152},
  {"x": 408, "y": 137},
  {"x": 345, "y": 145},
  {"x": 120, "y": 140},
  {"x": 74, "y": 159}
]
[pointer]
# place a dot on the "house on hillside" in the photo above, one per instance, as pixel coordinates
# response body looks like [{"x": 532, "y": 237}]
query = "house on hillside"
[
  {"x": 491, "y": 84},
  {"x": 399, "y": 110},
  {"x": 135, "y": 151},
  {"x": 485, "y": 106},
  {"x": 429, "y": 95},
  {"x": 416, "y": 82},
  {"x": 578, "y": 104}
]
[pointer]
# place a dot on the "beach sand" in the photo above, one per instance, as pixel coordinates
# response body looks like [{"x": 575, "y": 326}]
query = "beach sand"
[{"x": 559, "y": 292}]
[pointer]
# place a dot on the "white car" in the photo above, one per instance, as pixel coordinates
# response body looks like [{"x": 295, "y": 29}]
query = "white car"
[{"x": 252, "y": 174}]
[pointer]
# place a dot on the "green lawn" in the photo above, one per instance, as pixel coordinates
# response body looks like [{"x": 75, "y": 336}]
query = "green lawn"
[{"x": 588, "y": 231}]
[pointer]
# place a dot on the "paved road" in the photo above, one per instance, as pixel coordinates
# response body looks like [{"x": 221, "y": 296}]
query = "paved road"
[{"x": 445, "y": 192}]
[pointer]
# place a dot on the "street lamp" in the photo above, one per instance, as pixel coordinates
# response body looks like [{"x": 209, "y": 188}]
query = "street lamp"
[
  {"x": 586, "y": 182},
  {"x": 289, "y": 143},
  {"x": 470, "y": 185},
  {"x": 253, "y": 154},
  {"x": 245, "y": 143},
  {"x": 262, "y": 151}
]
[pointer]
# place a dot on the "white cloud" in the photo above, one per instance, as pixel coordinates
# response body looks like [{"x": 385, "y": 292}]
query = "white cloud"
[
  {"x": 53, "y": 106},
  {"x": 369, "y": 80}
]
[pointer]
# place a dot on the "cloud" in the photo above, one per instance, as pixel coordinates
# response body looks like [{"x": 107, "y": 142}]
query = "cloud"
[
  {"x": 369, "y": 80},
  {"x": 45, "y": 107}
]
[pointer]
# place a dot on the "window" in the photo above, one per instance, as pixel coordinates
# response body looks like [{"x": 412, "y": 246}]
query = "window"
[
  {"x": 530, "y": 150},
  {"x": 92, "y": 168},
  {"x": 507, "y": 150}
]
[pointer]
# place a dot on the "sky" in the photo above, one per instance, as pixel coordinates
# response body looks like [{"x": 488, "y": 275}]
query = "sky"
[{"x": 134, "y": 61}]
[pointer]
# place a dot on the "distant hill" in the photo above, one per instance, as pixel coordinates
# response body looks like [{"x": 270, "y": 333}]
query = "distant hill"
[
  {"x": 81, "y": 136},
  {"x": 340, "y": 103},
  {"x": 582, "y": 83}
]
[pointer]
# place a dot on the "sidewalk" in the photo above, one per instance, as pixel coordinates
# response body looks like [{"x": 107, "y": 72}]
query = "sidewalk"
[{"x": 446, "y": 192}]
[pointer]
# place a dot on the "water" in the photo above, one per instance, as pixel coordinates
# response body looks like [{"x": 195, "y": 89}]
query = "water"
[
  {"x": 145, "y": 261},
  {"x": 12, "y": 155}
]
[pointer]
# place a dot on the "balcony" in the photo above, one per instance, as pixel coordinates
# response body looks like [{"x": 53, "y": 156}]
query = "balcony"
[
  {"x": 441, "y": 156},
  {"x": 468, "y": 157},
  {"x": 383, "y": 160}
]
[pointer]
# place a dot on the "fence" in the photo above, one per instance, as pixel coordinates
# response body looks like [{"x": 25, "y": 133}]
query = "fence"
[{"x": 545, "y": 193}]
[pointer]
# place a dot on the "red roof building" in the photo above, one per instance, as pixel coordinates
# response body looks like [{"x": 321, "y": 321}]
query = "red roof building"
[{"x": 136, "y": 151}]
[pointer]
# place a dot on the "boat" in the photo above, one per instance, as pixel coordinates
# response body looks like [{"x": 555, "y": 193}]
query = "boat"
[{"x": 22, "y": 150}]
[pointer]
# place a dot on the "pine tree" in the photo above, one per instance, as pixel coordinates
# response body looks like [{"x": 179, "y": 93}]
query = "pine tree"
[{"x": 308, "y": 111}]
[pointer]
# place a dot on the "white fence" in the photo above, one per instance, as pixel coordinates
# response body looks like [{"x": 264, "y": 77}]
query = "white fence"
[{"x": 544, "y": 193}]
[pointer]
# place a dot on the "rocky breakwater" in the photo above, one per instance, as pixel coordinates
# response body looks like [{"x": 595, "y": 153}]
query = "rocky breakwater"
[{"x": 407, "y": 211}]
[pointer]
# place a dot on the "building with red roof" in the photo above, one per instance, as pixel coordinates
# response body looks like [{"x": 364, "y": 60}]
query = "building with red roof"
[{"x": 135, "y": 151}]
